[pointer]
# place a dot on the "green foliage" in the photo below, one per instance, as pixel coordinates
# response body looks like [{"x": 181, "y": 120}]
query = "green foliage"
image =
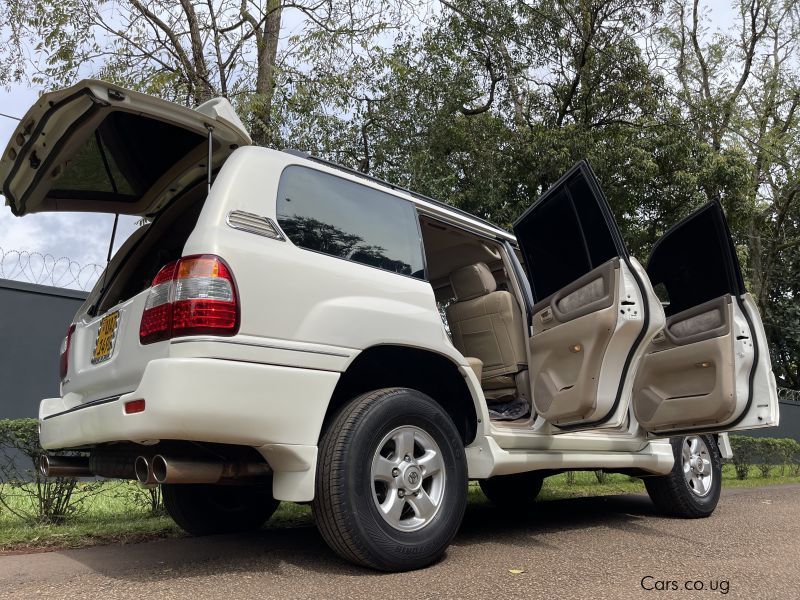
[
  {"x": 765, "y": 453},
  {"x": 23, "y": 490}
]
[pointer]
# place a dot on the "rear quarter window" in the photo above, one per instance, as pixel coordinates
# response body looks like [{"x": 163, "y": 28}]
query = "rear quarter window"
[{"x": 341, "y": 218}]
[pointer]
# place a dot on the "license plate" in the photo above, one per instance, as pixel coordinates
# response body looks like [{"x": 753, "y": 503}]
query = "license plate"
[{"x": 104, "y": 344}]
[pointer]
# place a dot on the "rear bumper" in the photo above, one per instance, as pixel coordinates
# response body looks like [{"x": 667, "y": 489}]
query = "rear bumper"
[{"x": 199, "y": 399}]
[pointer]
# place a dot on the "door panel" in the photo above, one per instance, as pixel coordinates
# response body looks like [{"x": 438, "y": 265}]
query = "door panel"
[
  {"x": 698, "y": 373},
  {"x": 590, "y": 308},
  {"x": 571, "y": 331},
  {"x": 686, "y": 375}
]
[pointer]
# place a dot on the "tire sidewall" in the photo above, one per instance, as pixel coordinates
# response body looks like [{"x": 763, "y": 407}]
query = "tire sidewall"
[{"x": 404, "y": 549}]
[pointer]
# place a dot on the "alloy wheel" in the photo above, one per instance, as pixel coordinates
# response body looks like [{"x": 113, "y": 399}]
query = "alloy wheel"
[{"x": 408, "y": 478}]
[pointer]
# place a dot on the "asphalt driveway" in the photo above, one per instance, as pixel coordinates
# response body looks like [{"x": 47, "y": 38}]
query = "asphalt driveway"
[{"x": 612, "y": 547}]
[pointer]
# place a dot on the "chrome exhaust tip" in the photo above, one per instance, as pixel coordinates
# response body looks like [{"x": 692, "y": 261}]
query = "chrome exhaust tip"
[
  {"x": 141, "y": 468},
  {"x": 64, "y": 466},
  {"x": 168, "y": 470}
]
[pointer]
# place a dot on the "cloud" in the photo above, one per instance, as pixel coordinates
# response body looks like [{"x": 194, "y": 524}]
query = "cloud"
[{"x": 80, "y": 237}]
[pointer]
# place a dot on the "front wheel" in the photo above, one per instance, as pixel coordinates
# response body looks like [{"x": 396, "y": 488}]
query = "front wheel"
[
  {"x": 391, "y": 484},
  {"x": 693, "y": 487},
  {"x": 201, "y": 509}
]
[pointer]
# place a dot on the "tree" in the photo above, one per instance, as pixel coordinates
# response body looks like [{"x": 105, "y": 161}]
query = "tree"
[
  {"x": 192, "y": 50},
  {"x": 751, "y": 119}
]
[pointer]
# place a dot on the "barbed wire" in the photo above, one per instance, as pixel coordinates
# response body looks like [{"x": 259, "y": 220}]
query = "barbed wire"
[
  {"x": 46, "y": 269},
  {"x": 788, "y": 395}
]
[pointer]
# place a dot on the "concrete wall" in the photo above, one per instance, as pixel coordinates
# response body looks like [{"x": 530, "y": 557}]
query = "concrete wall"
[
  {"x": 789, "y": 427},
  {"x": 33, "y": 321}
]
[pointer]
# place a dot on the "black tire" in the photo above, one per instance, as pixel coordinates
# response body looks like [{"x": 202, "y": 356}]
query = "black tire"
[
  {"x": 517, "y": 491},
  {"x": 212, "y": 509},
  {"x": 345, "y": 505},
  {"x": 674, "y": 496}
]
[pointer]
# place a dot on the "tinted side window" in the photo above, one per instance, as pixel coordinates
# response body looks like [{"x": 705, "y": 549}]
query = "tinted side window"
[
  {"x": 553, "y": 246},
  {"x": 695, "y": 262},
  {"x": 564, "y": 237},
  {"x": 335, "y": 216}
]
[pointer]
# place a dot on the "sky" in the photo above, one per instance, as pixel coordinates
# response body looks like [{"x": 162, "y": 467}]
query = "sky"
[
  {"x": 84, "y": 237},
  {"x": 81, "y": 237}
]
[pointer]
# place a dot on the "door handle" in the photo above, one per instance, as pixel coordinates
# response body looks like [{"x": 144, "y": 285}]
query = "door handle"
[
  {"x": 546, "y": 315},
  {"x": 660, "y": 337}
]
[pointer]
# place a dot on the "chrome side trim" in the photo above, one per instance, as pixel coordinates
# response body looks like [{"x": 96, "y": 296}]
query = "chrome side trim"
[
  {"x": 252, "y": 223},
  {"x": 219, "y": 340}
]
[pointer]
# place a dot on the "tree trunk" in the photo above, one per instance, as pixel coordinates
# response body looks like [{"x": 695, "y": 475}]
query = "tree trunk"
[{"x": 265, "y": 77}]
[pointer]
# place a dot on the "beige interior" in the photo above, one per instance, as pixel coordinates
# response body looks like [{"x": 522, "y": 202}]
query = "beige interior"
[
  {"x": 449, "y": 248},
  {"x": 486, "y": 323},
  {"x": 480, "y": 308},
  {"x": 571, "y": 330},
  {"x": 687, "y": 375}
]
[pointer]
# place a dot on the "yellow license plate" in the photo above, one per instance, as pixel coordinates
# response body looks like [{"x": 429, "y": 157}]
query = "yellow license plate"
[{"x": 106, "y": 335}]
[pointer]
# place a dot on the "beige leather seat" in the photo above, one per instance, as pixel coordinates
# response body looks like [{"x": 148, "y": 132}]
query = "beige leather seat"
[{"x": 487, "y": 324}]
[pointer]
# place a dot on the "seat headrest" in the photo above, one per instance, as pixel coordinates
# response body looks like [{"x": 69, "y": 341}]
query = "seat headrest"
[{"x": 472, "y": 281}]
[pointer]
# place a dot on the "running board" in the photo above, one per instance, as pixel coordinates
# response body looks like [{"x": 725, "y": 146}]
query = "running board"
[{"x": 486, "y": 459}]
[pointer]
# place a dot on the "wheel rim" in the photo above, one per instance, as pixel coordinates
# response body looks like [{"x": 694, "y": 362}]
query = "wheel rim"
[
  {"x": 408, "y": 478},
  {"x": 696, "y": 461}
]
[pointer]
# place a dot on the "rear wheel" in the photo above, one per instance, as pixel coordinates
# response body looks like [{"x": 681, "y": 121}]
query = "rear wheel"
[
  {"x": 391, "y": 483},
  {"x": 517, "y": 491},
  {"x": 209, "y": 509},
  {"x": 692, "y": 489}
]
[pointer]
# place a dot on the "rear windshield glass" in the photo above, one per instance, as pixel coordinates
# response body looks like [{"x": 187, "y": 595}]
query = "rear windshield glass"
[
  {"x": 335, "y": 216},
  {"x": 123, "y": 158}
]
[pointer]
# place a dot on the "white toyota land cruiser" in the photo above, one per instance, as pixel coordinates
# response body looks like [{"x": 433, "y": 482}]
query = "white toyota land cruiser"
[{"x": 279, "y": 335}]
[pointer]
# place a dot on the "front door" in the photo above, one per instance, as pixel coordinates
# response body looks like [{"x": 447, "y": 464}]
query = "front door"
[{"x": 709, "y": 368}]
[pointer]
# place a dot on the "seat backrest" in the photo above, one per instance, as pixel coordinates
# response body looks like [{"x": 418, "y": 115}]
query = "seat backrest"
[{"x": 486, "y": 323}]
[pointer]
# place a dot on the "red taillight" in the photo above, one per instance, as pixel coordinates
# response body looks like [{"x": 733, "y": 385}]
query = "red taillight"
[
  {"x": 64, "y": 359},
  {"x": 195, "y": 295}
]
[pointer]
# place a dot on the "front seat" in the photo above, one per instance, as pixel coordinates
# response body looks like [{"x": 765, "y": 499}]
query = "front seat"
[{"x": 487, "y": 324}]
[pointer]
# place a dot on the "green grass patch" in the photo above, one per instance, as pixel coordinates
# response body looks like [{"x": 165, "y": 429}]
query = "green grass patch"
[{"x": 119, "y": 512}]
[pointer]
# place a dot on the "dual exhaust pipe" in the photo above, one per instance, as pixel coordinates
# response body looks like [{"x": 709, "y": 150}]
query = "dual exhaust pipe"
[{"x": 161, "y": 469}]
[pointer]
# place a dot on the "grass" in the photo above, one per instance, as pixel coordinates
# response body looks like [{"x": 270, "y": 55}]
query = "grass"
[{"x": 119, "y": 512}]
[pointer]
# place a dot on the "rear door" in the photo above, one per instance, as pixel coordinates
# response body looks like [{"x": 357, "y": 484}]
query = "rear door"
[
  {"x": 709, "y": 369},
  {"x": 96, "y": 147},
  {"x": 592, "y": 306}
]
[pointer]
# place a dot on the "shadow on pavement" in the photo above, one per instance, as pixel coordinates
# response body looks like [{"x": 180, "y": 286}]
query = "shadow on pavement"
[{"x": 276, "y": 550}]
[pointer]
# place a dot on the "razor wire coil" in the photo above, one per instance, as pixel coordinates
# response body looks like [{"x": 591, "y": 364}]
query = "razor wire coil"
[
  {"x": 45, "y": 269},
  {"x": 788, "y": 395}
]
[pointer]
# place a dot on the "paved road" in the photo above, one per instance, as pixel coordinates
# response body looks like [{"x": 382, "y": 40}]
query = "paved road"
[{"x": 586, "y": 548}]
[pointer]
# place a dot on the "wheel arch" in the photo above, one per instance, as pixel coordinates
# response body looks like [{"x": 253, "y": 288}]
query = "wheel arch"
[{"x": 390, "y": 365}]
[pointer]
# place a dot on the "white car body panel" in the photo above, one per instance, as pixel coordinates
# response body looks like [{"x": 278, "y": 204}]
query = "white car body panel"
[{"x": 305, "y": 318}]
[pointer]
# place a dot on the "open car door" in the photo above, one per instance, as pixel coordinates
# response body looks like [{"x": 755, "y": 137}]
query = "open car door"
[
  {"x": 593, "y": 309},
  {"x": 96, "y": 147},
  {"x": 709, "y": 369}
]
